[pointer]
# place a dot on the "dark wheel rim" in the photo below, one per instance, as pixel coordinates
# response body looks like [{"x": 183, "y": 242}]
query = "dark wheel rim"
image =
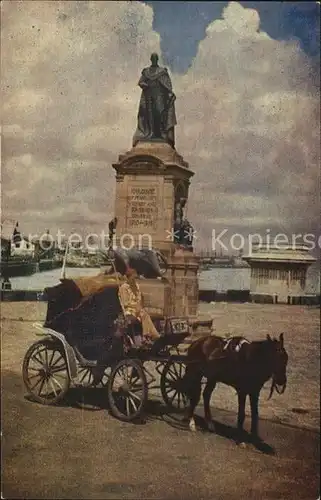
[
  {"x": 172, "y": 386},
  {"x": 127, "y": 390},
  {"x": 45, "y": 372}
]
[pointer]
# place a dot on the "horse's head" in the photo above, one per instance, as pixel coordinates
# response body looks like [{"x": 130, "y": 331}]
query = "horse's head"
[{"x": 279, "y": 361}]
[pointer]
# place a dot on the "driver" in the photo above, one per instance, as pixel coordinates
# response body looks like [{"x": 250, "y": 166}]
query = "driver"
[{"x": 130, "y": 298}]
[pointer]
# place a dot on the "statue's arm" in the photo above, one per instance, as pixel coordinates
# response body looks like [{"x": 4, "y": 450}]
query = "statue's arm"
[
  {"x": 143, "y": 81},
  {"x": 165, "y": 80}
]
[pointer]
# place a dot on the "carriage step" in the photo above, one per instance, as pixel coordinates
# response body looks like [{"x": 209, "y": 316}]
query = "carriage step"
[{"x": 87, "y": 363}]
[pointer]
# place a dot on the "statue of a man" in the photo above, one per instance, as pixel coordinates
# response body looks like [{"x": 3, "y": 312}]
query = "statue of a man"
[{"x": 156, "y": 114}]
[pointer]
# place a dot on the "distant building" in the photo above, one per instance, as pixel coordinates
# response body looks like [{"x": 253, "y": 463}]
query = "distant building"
[
  {"x": 92, "y": 247},
  {"x": 20, "y": 246},
  {"x": 45, "y": 246},
  {"x": 279, "y": 270},
  {"x": 75, "y": 245}
]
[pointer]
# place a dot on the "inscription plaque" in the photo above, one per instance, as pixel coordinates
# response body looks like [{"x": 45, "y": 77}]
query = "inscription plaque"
[{"x": 143, "y": 207}]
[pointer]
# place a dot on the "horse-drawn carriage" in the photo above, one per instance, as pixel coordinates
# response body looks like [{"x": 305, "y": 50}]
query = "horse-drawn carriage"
[
  {"x": 81, "y": 346},
  {"x": 78, "y": 342}
]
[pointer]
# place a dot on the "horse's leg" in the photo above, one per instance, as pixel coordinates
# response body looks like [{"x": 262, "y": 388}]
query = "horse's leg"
[
  {"x": 195, "y": 397},
  {"x": 188, "y": 381},
  {"x": 193, "y": 390},
  {"x": 209, "y": 388},
  {"x": 241, "y": 414},
  {"x": 254, "y": 400}
]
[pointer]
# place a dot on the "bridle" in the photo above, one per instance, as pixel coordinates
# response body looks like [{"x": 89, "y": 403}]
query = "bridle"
[{"x": 278, "y": 388}]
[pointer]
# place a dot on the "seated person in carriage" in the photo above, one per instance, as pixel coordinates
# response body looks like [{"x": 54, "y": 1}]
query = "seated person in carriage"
[
  {"x": 131, "y": 263},
  {"x": 135, "y": 317}
]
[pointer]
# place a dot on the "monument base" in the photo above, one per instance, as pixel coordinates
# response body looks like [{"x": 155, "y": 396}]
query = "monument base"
[
  {"x": 182, "y": 276},
  {"x": 151, "y": 180},
  {"x": 177, "y": 293},
  {"x": 156, "y": 296},
  {"x": 150, "y": 177}
]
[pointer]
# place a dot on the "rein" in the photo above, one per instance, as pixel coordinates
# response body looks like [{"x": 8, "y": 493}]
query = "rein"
[{"x": 274, "y": 386}]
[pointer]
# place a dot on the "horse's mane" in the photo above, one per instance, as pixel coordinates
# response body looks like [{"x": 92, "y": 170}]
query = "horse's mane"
[{"x": 258, "y": 347}]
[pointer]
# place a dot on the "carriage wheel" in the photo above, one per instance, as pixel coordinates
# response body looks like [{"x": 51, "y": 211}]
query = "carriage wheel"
[
  {"x": 86, "y": 377},
  {"x": 171, "y": 385},
  {"x": 127, "y": 390},
  {"x": 105, "y": 377},
  {"x": 45, "y": 372}
]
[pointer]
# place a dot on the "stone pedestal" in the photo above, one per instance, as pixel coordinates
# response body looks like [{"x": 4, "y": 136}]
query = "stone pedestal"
[
  {"x": 150, "y": 180},
  {"x": 157, "y": 296},
  {"x": 183, "y": 278}
]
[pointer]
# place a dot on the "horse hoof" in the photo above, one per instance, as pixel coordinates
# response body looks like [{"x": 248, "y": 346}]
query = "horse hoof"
[
  {"x": 242, "y": 445},
  {"x": 192, "y": 426},
  {"x": 211, "y": 426}
]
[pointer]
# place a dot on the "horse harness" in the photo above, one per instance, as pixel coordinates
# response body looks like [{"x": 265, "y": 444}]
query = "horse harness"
[
  {"x": 234, "y": 346},
  {"x": 230, "y": 346}
]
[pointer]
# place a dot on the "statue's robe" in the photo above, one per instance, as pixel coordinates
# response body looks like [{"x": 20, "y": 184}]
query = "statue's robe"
[{"x": 156, "y": 114}]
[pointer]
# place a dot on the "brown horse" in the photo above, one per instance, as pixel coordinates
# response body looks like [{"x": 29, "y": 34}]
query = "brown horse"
[{"x": 236, "y": 362}]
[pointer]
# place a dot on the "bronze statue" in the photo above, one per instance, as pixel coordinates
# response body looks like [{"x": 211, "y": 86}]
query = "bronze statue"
[
  {"x": 156, "y": 114},
  {"x": 183, "y": 229},
  {"x": 112, "y": 228},
  {"x": 187, "y": 235},
  {"x": 178, "y": 219}
]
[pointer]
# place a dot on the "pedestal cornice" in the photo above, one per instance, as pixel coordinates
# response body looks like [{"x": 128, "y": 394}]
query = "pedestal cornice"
[{"x": 153, "y": 158}]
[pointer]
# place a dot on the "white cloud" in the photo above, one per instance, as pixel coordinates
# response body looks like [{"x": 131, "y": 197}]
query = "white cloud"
[
  {"x": 245, "y": 22},
  {"x": 247, "y": 116},
  {"x": 250, "y": 101}
]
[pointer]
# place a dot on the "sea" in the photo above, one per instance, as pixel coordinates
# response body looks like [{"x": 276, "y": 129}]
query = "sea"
[{"x": 218, "y": 278}]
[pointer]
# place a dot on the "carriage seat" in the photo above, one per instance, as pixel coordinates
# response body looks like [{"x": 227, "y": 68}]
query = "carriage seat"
[{"x": 89, "y": 350}]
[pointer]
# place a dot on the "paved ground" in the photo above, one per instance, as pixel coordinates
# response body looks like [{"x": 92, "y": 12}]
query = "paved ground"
[{"x": 69, "y": 452}]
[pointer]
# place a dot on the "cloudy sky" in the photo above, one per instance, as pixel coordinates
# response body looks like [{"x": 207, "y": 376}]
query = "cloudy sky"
[{"x": 246, "y": 79}]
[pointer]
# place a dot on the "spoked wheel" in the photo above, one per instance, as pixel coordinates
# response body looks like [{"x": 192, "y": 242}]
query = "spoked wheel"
[
  {"x": 171, "y": 385},
  {"x": 45, "y": 372},
  {"x": 105, "y": 377},
  {"x": 85, "y": 377},
  {"x": 127, "y": 390}
]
